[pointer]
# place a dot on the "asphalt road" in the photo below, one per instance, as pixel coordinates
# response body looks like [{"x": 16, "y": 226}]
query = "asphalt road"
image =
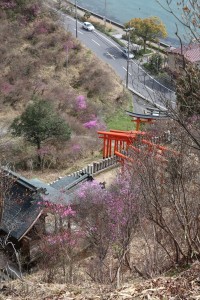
[{"x": 110, "y": 52}]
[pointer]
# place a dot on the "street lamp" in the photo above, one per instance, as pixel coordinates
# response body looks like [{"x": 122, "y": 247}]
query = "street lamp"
[
  {"x": 127, "y": 68},
  {"x": 76, "y": 18}
]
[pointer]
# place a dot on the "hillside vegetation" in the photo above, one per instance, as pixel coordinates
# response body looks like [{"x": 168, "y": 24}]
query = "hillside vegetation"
[
  {"x": 40, "y": 60},
  {"x": 134, "y": 238}
]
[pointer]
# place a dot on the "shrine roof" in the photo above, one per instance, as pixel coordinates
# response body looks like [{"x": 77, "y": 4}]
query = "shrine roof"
[
  {"x": 163, "y": 115},
  {"x": 21, "y": 209},
  {"x": 23, "y": 199}
]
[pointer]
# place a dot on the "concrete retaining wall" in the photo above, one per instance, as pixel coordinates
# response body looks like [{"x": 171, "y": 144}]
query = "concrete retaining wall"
[{"x": 99, "y": 16}]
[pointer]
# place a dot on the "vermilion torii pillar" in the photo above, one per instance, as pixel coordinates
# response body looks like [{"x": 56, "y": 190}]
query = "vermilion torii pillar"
[{"x": 117, "y": 140}]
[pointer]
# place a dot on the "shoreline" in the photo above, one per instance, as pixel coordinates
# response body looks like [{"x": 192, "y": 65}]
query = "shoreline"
[
  {"x": 168, "y": 42},
  {"x": 119, "y": 28}
]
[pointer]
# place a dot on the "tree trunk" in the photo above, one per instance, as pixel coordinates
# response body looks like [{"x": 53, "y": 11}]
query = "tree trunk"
[
  {"x": 1, "y": 207},
  {"x": 39, "y": 155},
  {"x": 70, "y": 272}
]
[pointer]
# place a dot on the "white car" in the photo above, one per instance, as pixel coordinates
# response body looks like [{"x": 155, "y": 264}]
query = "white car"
[
  {"x": 88, "y": 26},
  {"x": 126, "y": 54}
]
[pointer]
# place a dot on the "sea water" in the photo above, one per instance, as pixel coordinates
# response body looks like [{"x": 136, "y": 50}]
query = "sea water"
[{"x": 122, "y": 11}]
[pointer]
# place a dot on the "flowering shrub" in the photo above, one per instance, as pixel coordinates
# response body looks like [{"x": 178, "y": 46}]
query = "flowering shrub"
[
  {"x": 90, "y": 124},
  {"x": 59, "y": 209},
  {"x": 62, "y": 239},
  {"x": 59, "y": 247},
  {"x": 68, "y": 45},
  {"x": 9, "y": 4},
  {"x": 25, "y": 10},
  {"x": 76, "y": 148},
  {"x": 42, "y": 28},
  {"x": 95, "y": 123},
  {"x": 43, "y": 151},
  {"x": 7, "y": 88},
  {"x": 81, "y": 103},
  {"x": 109, "y": 218},
  {"x": 33, "y": 10}
]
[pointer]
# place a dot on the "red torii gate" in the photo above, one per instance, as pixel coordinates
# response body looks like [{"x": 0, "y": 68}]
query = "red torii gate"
[
  {"x": 115, "y": 141},
  {"x": 143, "y": 118}
]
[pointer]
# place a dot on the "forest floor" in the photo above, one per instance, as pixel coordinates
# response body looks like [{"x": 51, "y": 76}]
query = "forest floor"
[{"x": 182, "y": 286}]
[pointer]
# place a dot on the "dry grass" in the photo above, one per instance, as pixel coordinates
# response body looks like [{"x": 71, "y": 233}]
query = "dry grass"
[
  {"x": 51, "y": 175},
  {"x": 34, "y": 64},
  {"x": 182, "y": 286}
]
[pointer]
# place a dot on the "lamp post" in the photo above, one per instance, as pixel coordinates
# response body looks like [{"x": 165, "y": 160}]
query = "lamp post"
[{"x": 76, "y": 18}]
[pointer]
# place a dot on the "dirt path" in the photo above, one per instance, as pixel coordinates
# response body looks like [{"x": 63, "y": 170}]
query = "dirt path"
[{"x": 107, "y": 176}]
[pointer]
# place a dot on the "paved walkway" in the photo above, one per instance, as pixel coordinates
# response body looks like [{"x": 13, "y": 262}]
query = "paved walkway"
[{"x": 107, "y": 176}]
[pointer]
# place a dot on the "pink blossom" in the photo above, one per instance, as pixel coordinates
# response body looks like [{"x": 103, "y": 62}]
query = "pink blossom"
[
  {"x": 41, "y": 28},
  {"x": 8, "y": 4},
  {"x": 76, "y": 147},
  {"x": 42, "y": 151},
  {"x": 6, "y": 88},
  {"x": 68, "y": 45},
  {"x": 90, "y": 124},
  {"x": 60, "y": 209},
  {"x": 81, "y": 103}
]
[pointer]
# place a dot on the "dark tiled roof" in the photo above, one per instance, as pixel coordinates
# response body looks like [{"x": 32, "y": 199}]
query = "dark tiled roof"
[
  {"x": 68, "y": 182},
  {"x": 62, "y": 183},
  {"x": 21, "y": 209},
  {"x": 163, "y": 115},
  {"x": 53, "y": 195}
]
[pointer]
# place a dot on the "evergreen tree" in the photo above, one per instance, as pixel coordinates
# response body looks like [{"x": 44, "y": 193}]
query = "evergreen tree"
[{"x": 38, "y": 123}]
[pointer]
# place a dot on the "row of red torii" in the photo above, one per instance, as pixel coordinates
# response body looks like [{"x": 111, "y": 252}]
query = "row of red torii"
[{"x": 118, "y": 142}]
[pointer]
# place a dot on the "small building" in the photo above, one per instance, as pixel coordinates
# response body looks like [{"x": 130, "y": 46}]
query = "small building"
[
  {"x": 23, "y": 217},
  {"x": 178, "y": 57}
]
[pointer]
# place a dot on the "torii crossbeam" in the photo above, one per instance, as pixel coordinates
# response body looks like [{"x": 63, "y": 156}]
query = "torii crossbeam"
[{"x": 144, "y": 118}]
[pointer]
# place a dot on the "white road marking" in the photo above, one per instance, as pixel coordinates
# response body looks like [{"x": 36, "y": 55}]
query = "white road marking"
[
  {"x": 80, "y": 32},
  {"x": 97, "y": 33},
  {"x": 66, "y": 16},
  {"x": 111, "y": 55},
  {"x": 126, "y": 71},
  {"x": 149, "y": 88},
  {"x": 96, "y": 42}
]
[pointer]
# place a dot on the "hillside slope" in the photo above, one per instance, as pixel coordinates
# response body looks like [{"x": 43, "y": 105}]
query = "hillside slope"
[
  {"x": 185, "y": 285},
  {"x": 41, "y": 60}
]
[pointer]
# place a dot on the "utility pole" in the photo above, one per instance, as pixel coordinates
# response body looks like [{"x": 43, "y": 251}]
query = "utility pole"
[
  {"x": 128, "y": 59},
  {"x": 127, "y": 68},
  {"x": 76, "y": 18},
  {"x": 105, "y": 8}
]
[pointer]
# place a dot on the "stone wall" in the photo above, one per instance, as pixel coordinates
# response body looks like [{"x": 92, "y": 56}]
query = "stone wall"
[{"x": 97, "y": 166}]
